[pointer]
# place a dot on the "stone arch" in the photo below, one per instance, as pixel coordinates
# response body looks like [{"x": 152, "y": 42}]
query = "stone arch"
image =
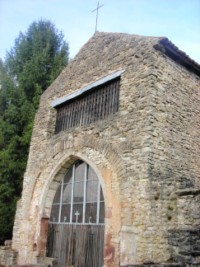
[
  {"x": 57, "y": 174},
  {"x": 100, "y": 150},
  {"x": 105, "y": 173},
  {"x": 109, "y": 152},
  {"x": 94, "y": 152}
]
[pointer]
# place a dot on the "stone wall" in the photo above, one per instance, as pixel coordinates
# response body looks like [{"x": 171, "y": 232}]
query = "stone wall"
[
  {"x": 174, "y": 159},
  {"x": 146, "y": 155},
  {"x": 8, "y": 256}
]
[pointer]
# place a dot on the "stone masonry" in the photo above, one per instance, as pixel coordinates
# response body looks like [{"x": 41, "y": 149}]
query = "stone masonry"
[
  {"x": 147, "y": 155},
  {"x": 8, "y": 256}
]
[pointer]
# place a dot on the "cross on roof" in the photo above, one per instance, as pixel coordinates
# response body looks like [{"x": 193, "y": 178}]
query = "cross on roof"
[{"x": 97, "y": 10}]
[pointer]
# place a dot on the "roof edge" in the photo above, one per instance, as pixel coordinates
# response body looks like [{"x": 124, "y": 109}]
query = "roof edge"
[
  {"x": 172, "y": 51},
  {"x": 59, "y": 101}
]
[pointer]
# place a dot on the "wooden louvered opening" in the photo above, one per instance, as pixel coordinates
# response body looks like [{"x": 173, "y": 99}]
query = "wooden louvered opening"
[{"x": 92, "y": 106}]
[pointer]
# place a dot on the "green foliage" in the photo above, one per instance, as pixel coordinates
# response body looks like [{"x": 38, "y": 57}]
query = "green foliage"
[{"x": 36, "y": 59}]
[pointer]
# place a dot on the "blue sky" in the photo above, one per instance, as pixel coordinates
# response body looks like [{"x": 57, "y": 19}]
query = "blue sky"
[{"x": 179, "y": 20}]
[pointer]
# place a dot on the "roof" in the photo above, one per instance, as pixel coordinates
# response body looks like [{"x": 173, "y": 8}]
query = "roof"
[
  {"x": 110, "y": 48},
  {"x": 168, "y": 48},
  {"x": 64, "y": 99},
  {"x": 160, "y": 43}
]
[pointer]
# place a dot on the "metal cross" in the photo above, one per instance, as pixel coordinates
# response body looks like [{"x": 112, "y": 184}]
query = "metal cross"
[
  {"x": 97, "y": 10},
  {"x": 76, "y": 214}
]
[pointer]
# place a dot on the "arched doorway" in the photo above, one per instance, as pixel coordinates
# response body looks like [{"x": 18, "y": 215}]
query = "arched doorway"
[{"x": 76, "y": 225}]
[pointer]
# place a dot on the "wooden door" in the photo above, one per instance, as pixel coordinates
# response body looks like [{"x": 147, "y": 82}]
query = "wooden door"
[{"x": 76, "y": 245}]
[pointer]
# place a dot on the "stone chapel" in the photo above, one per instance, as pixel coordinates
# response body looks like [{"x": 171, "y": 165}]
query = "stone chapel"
[{"x": 113, "y": 175}]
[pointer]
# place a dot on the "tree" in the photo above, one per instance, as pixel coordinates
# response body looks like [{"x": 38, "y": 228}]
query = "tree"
[{"x": 36, "y": 59}]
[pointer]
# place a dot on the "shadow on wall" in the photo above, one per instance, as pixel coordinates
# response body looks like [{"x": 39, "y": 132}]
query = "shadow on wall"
[{"x": 185, "y": 246}]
